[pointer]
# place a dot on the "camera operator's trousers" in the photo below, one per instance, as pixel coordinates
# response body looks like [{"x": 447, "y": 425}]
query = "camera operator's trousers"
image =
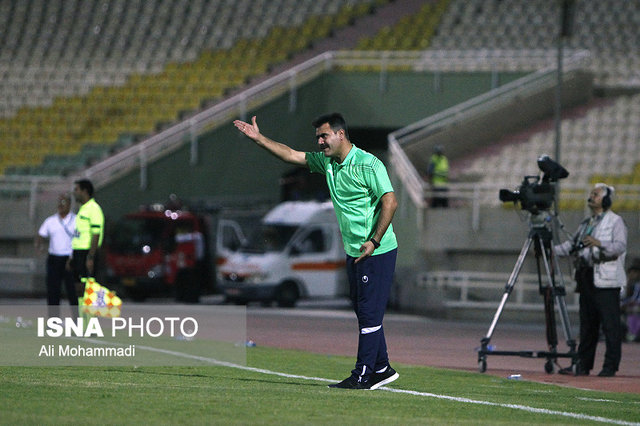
[
  {"x": 369, "y": 287},
  {"x": 598, "y": 307}
]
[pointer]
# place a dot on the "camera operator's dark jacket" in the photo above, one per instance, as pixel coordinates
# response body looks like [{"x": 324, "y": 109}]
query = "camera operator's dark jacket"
[{"x": 607, "y": 260}]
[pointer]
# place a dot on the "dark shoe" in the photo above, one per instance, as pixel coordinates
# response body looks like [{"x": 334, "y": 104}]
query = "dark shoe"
[
  {"x": 606, "y": 372},
  {"x": 351, "y": 382},
  {"x": 384, "y": 378},
  {"x": 570, "y": 371}
]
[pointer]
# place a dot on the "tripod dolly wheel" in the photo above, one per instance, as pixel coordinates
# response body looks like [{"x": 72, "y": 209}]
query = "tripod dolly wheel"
[
  {"x": 548, "y": 367},
  {"x": 482, "y": 364}
]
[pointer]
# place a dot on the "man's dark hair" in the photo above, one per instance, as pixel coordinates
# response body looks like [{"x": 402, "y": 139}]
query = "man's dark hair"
[
  {"x": 85, "y": 185},
  {"x": 336, "y": 122}
]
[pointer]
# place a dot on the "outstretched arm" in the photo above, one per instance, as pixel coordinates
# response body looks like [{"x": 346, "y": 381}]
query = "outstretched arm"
[{"x": 281, "y": 151}]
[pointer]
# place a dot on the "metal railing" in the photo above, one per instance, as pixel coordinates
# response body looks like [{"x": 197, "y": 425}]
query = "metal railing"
[
  {"x": 476, "y": 195},
  {"x": 484, "y": 290},
  {"x": 459, "y": 60}
]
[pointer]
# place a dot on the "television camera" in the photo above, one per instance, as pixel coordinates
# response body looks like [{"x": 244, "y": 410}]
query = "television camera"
[{"x": 537, "y": 193}]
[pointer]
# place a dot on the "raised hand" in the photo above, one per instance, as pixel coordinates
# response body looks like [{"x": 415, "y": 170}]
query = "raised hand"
[{"x": 250, "y": 130}]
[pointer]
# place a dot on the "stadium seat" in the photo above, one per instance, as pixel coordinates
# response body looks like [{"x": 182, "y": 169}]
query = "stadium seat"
[
  {"x": 76, "y": 71},
  {"x": 607, "y": 28}
]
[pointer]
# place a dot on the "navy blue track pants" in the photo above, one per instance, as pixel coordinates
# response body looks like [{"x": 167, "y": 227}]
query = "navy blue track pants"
[{"x": 370, "y": 285}]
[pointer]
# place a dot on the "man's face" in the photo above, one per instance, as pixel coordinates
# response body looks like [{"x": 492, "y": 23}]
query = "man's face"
[
  {"x": 78, "y": 194},
  {"x": 595, "y": 198},
  {"x": 329, "y": 142},
  {"x": 64, "y": 205}
]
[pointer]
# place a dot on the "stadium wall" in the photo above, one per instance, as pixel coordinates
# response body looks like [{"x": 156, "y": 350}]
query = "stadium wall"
[{"x": 399, "y": 98}]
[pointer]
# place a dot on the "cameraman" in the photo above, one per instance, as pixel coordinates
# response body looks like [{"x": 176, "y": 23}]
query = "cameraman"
[{"x": 599, "y": 247}]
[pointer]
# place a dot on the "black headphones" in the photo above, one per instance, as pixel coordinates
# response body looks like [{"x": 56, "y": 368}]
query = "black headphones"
[{"x": 606, "y": 200}]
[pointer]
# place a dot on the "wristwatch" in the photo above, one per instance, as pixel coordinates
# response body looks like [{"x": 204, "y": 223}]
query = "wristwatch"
[{"x": 375, "y": 243}]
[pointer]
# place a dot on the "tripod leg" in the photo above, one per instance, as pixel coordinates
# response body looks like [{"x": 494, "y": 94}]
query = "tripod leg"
[
  {"x": 562, "y": 307},
  {"x": 556, "y": 293},
  {"x": 548, "y": 293},
  {"x": 549, "y": 312},
  {"x": 507, "y": 291},
  {"x": 552, "y": 333},
  {"x": 564, "y": 315},
  {"x": 509, "y": 286}
]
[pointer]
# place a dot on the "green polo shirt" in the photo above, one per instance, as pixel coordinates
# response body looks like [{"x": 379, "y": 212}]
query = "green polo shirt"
[
  {"x": 89, "y": 221},
  {"x": 356, "y": 186}
]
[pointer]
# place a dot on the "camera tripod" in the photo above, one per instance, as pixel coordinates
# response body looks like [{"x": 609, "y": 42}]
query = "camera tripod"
[{"x": 541, "y": 236}]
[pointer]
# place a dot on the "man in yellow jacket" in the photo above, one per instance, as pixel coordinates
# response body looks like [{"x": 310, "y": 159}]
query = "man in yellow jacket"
[
  {"x": 438, "y": 177},
  {"x": 88, "y": 235}
]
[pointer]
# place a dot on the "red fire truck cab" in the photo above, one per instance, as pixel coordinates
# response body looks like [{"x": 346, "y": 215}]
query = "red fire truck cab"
[{"x": 159, "y": 251}]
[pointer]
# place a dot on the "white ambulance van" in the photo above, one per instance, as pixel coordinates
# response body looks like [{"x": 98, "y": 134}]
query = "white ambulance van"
[{"x": 295, "y": 252}]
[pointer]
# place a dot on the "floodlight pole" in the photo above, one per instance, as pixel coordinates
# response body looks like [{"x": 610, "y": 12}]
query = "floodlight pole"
[
  {"x": 558, "y": 125},
  {"x": 558, "y": 101},
  {"x": 566, "y": 28},
  {"x": 566, "y": 24}
]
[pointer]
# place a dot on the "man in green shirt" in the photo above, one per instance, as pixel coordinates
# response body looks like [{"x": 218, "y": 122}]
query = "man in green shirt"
[
  {"x": 88, "y": 235},
  {"x": 364, "y": 203}
]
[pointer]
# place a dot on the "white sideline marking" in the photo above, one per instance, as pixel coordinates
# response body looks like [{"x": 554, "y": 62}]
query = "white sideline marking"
[
  {"x": 409, "y": 392},
  {"x": 606, "y": 400},
  {"x": 598, "y": 400}
]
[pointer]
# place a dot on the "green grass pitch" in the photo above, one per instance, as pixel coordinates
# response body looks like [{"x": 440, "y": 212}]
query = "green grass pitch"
[{"x": 290, "y": 387}]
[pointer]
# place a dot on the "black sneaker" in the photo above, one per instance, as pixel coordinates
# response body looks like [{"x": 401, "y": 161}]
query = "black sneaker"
[
  {"x": 384, "y": 378},
  {"x": 351, "y": 382}
]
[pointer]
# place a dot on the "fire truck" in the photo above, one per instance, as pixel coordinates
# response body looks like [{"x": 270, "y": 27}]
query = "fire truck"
[{"x": 160, "y": 250}]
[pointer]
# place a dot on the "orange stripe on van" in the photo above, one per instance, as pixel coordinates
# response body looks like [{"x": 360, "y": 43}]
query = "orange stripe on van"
[{"x": 318, "y": 266}]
